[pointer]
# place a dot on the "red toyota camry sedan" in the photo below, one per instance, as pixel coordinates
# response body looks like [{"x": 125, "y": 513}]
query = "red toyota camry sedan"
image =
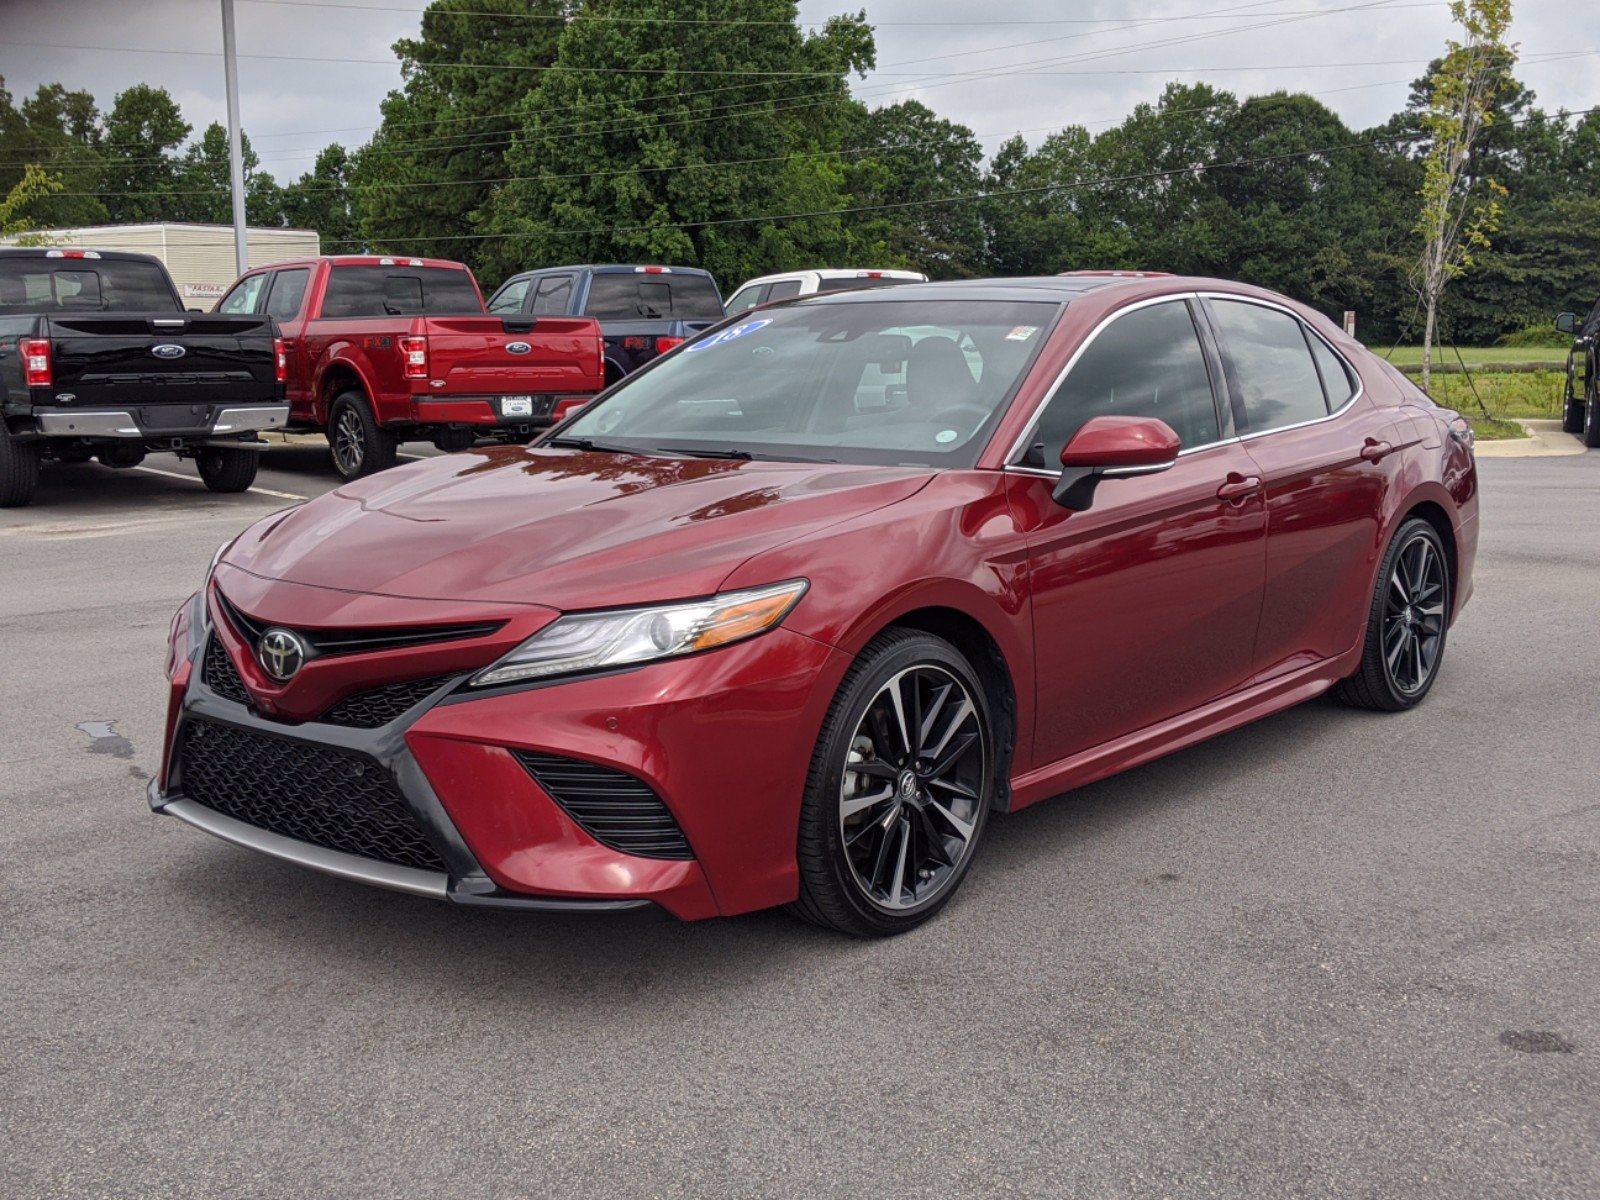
[{"x": 784, "y": 617}]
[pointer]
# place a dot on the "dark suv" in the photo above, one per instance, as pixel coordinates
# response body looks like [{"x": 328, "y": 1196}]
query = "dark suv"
[
  {"x": 643, "y": 311},
  {"x": 1580, "y": 410}
]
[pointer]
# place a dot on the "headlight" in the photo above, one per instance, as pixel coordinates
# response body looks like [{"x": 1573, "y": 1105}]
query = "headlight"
[{"x": 620, "y": 637}]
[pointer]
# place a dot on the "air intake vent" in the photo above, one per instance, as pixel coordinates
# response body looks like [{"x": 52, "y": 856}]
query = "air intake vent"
[
  {"x": 220, "y": 675},
  {"x": 614, "y": 808},
  {"x": 379, "y": 706},
  {"x": 318, "y": 794}
]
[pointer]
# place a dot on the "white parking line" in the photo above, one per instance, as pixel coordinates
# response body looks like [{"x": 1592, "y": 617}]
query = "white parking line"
[{"x": 192, "y": 479}]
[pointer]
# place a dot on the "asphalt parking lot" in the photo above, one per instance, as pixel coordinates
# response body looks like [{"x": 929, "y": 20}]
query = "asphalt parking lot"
[{"x": 1333, "y": 954}]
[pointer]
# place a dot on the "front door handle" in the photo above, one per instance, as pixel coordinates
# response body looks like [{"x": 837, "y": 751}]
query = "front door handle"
[
  {"x": 1374, "y": 450},
  {"x": 1239, "y": 487}
]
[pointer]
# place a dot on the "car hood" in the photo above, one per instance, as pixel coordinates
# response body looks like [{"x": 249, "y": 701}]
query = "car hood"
[{"x": 561, "y": 528}]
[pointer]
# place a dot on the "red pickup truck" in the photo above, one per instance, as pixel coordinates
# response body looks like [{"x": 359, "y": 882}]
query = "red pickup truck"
[{"x": 383, "y": 350}]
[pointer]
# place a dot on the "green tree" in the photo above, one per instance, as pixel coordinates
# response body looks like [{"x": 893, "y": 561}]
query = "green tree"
[
  {"x": 1457, "y": 217},
  {"x": 143, "y": 131},
  {"x": 664, "y": 161},
  {"x": 203, "y": 189},
  {"x": 57, "y": 130},
  {"x": 34, "y": 186},
  {"x": 441, "y": 147},
  {"x": 320, "y": 200}
]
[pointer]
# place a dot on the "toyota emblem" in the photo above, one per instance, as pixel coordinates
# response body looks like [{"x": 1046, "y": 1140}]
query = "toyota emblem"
[{"x": 281, "y": 654}]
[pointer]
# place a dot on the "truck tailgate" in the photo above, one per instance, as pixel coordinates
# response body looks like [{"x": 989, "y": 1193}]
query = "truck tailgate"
[
  {"x": 155, "y": 360},
  {"x": 476, "y": 356}
]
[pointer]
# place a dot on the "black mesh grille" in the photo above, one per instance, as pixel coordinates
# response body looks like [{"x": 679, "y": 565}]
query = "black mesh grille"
[
  {"x": 379, "y": 706},
  {"x": 614, "y": 808},
  {"x": 220, "y": 675},
  {"x": 318, "y": 794}
]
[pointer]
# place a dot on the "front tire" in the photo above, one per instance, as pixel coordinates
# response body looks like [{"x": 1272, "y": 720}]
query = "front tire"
[
  {"x": 227, "y": 470},
  {"x": 360, "y": 446},
  {"x": 1591, "y": 419},
  {"x": 899, "y": 788},
  {"x": 19, "y": 470},
  {"x": 1406, "y": 625}
]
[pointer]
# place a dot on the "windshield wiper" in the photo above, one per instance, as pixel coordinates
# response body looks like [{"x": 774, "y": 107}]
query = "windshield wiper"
[
  {"x": 583, "y": 443},
  {"x": 739, "y": 455}
]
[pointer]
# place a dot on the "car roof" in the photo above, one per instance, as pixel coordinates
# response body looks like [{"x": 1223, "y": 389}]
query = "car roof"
[
  {"x": 608, "y": 268},
  {"x": 75, "y": 253},
  {"x": 362, "y": 260},
  {"x": 1058, "y": 288},
  {"x": 837, "y": 273}
]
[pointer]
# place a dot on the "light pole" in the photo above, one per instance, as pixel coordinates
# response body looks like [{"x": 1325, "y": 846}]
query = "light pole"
[{"x": 230, "y": 70}]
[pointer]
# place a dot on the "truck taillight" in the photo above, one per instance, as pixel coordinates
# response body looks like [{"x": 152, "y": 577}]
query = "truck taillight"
[
  {"x": 282, "y": 355},
  {"x": 568, "y": 405},
  {"x": 415, "y": 353},
  {"x": 36, "y": 361},
  {"x": 663, "y": 344}
]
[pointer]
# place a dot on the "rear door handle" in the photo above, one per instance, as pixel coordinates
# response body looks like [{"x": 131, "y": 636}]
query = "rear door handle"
[
  {"x": 1239, "y": 487},
  {"x": 1374, "y": 450}
]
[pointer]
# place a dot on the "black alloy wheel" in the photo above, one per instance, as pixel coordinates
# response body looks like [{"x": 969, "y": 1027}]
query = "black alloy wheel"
[
  {"x": 899, "y": 789},
  {"x": 358, "y": 444},
  {"x": 1407, "y": 625}
]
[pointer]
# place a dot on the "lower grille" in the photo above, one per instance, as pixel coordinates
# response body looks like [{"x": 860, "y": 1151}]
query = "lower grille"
[
  {"x": 328, "y": 797},
  {"x": 379, "y": 706},
  {"x": 613, "y": 807},
  {"x": 220, "y": 675}
]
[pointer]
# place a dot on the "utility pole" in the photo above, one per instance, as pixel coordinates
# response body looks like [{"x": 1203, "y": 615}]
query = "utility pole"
[{"x": 230, "y": 69}]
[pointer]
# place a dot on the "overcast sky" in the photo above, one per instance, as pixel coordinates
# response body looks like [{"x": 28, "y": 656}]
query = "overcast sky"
[{"x": 1032, "y": 66}]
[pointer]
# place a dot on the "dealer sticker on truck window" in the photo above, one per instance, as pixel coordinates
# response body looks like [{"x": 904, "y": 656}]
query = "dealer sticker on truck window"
[
  {"x": 1022, "y": 333},
  {"x": 516, "y": 406}
]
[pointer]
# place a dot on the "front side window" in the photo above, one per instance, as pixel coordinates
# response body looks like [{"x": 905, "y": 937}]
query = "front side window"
[
  {"x": 509, "y": 298},
  {"x": 1270, "y": 368},
  {"x": 896, "y": 382},
  {"x": 244, "y": 297},
  {"x": 1145, "y": 363},
  {"x": 554, "y": 296},
  {"x": 288, "y": 292},
  {"x": 746, "y": 298}
]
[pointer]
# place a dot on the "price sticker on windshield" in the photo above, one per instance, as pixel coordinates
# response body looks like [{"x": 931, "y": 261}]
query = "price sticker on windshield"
[
  {"x": 728, "y": 334},
  {"x": 1022, "y": 333}
]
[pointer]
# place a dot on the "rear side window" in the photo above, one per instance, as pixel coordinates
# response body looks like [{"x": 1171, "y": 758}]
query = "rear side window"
[
  {"x": 636, "y": 296},
  {"x": 509, "y": 298},
  {"x": 554, "y": 296},
  {"x": 1146, "y": 363},
  {"x": 30, "y": 284},
  {"x": 288, "y": 290},
  {"x": 857, "y": 283},
  {"x": 1336, "y": 381},
  {"x": 360, "y": 291},
  {"x": 783, "y": 289},
  {"x": 1269, "y": 365}
]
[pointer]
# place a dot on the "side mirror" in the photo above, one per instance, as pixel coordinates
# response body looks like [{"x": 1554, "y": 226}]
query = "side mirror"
[
  {"x": 1112, "y": 448},
  {"x": 1567, "y": 323}
]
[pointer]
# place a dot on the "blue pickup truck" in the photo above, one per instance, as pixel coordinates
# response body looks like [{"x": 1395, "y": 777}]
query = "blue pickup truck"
[{"x": 642, "y": 311}]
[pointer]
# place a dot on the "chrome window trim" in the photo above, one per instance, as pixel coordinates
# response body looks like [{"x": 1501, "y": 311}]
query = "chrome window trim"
[
  {"x": 1361, "y": 384},
  {"x": 1018, "y": 448}
]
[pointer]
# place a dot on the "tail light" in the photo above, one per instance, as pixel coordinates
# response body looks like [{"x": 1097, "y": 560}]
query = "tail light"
[
  {"x": 568, "y": 405},
  {"x": 663, "y": 344},
  {"x": 415, "y": 353},
  {"x": 36, "y": 359},
  {"x": 282, "y": 357}
]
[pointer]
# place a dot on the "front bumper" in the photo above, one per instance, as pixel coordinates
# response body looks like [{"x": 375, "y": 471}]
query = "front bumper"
[
  {"x": 159, "y": 423},
  {"x": 723, "y": 739}
]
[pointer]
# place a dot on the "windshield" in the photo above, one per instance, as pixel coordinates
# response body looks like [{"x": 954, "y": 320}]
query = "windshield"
[{"x": 918, "y": 382}]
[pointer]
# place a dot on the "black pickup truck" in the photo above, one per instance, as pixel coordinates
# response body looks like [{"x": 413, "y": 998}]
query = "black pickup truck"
[
  {"x": 98, "y": 359},
  {"x": 1580, "y": 410},
  {"x": 643, "y": 311}
]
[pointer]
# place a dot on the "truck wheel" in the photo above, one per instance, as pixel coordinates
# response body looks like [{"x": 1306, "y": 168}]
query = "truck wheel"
[
  {"x": 1591, "y": 420},
  {"x": 120, "y": 455},
  {"x": 359, "y": 444},
  {"x": 19, "y": 470},
  {"x": 226, "y": 470},
  {"x": 1571, "y": 412}
]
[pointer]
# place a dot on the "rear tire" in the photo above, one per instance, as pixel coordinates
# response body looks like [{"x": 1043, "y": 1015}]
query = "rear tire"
[
  {"x": 19, "y": 470},
  {"x": 1406, "y": 625},
  {"x": 1571, "y": 411},
  {"x": 359, "y": 445},
  {"x": 120, "y": 455},
  {"x": 227, "y": 470},
  {"x": 1591, "y": 419},
  {"x": 889, "y": 831}
]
